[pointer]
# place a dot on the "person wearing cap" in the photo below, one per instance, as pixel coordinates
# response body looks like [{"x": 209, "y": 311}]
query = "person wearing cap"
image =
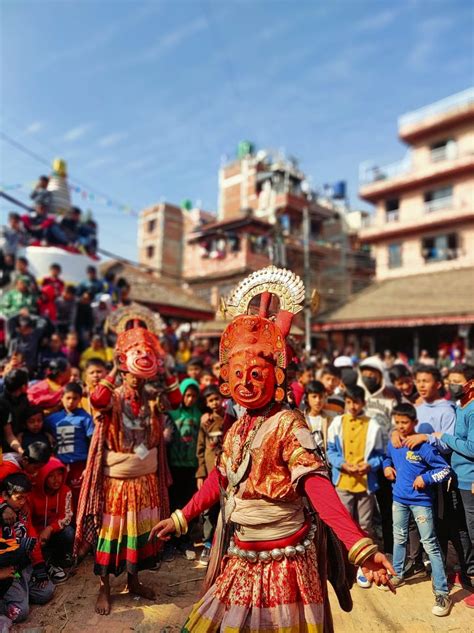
[{"x": 20, "y": 297}]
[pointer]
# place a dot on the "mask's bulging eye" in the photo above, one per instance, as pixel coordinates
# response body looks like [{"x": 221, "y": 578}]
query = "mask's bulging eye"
[
  {"x": 256, "y": 374},
  {"x": 238, "y": 373}
]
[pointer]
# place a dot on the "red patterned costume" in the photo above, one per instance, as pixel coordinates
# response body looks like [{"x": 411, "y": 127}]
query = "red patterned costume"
[
  {"x": 126, "y": 469},
  {"x": 270, "y": 557}
]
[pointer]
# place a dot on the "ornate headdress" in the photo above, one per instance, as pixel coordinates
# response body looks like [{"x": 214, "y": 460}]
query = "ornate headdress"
[
  {"x": 138, "y": 348},
  {"x": 269, "y": 333}
]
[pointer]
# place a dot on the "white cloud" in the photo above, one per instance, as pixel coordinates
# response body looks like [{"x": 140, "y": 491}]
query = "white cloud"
[
  {"x": 171, "y": 40},
  {"x": 111, "y": 139},
  {"x": 378, "y": 21},
  {"x": 33, "y": 127},
  {"x": 77, "y": 132},
  {"x": 428, "y": 36}
]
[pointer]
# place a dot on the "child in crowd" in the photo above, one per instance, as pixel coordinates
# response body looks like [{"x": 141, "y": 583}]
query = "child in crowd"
[
  {"x": 94, "y": 372},
  {"x": 318, "y": 421},
  {"x": 194, "y": 369},
  {"x": 54, "y": 280},
  {"x": 414, "y": 471},
  {"x": 181, "y": 433},
  {"x": 72, "y": 428},
  {"x": 206, "y": 379},
  {"x": 304, "y": 374},
  {"x": 331, "y": 378},
  {"x": 403, "y": 381},
  {"x": 33, "y": 584},
  {"x": 34, "y": 430},
  {"x": 33, "y": 458},
  {"x": 209, "y": 445},
  {"x": 52, "y": 513},
  {"x": 71, "y": 349},
  {"x": 355, "y": 452}
]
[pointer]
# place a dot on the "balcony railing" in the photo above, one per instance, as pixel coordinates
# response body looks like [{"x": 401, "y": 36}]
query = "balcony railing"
[
  {"x": 438, "y": 204},
  {"x": 458, "y": 100},
  {"x": 392, "y": 216},
  {"x": 369, "y": 173}
]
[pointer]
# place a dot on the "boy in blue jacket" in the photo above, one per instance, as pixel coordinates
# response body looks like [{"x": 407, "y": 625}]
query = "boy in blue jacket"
[
  {"x": 414, "y": 471},
  {"x": 355, "y": 452}
]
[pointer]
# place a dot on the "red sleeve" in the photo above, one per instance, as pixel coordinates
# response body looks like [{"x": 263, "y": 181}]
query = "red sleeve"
[
  {"x": 327, "y": 504},
  {"x": 173, "y": 392},
  {"x": 204, "y": 498},
  {"x": 102, "y": 395}
]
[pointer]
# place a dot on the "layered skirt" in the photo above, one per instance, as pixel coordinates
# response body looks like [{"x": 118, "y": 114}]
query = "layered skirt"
[
  {"x": 131, "y": 509},
  {"x": 276, "y": 597}
]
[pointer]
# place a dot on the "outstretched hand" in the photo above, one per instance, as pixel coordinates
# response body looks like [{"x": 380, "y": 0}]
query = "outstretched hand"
[
  {"x": 376, "y": 569},
  {"x": 162, "y": 530}
]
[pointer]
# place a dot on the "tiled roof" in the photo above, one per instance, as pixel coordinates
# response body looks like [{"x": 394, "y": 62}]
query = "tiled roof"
[
  {"x": 429, "y": 298},
  {"x": 150, "y": 289}
]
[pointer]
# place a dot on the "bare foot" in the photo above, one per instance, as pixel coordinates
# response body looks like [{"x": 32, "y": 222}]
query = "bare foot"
[
  {"x": 135, "y": 586},
  {"x": 102, "y": 606}
]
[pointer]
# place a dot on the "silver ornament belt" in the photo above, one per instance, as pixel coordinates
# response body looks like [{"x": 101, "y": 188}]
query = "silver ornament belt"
[{"x": 277, "y": 553}]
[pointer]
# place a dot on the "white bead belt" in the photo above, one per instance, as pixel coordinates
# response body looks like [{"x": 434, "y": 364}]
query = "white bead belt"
[{"x": 277, "y": 553}]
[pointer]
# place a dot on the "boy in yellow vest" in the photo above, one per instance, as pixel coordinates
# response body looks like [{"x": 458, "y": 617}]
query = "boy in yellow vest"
[{"x": 355, "y": 452}]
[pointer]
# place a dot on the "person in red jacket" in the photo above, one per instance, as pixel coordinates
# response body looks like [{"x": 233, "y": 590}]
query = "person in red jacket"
[
  {"x": 52, "y": 513},
  {"x": 33, "y": 584}
]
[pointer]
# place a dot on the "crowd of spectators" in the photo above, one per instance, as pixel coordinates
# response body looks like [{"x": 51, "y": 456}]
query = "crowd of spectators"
[{"x": 55, "y": 352}]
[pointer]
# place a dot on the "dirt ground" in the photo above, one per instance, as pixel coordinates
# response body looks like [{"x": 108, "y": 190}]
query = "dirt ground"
[{"x": 177, "y": 586}]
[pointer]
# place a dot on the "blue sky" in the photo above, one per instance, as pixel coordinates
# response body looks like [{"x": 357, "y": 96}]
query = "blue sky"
[{"x": 145, "y": 99}]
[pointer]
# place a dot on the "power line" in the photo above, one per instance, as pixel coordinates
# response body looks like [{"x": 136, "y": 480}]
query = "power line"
[{"x": 22, "y": 148}]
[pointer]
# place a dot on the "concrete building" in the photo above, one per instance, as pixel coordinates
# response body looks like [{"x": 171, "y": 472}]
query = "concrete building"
[
  {"x": 424, "y": 205},
  {"x": 422, "y": 238}
]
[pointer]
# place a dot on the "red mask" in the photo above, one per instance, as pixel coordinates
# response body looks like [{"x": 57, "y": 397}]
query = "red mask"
[
  {"x": 251, "y": 378},
  {"x": 253, "y": 358},
  {"x": 139, "y": 352}
]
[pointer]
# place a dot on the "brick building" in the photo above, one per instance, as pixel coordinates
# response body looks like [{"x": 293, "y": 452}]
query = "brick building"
[{"x": 263, "y": 200}]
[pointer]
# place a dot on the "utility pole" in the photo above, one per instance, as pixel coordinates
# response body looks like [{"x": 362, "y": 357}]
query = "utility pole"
[{"x": 307, "y": 275}]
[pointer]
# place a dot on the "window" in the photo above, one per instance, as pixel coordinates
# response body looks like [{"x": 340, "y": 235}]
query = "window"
[
  {"x": 441, "y": 198},
  {"x": 150, "y": 251},
  {"x": 391, "y": 209},
  {"x": 441, "y": 150},
  {"x": 151, "y": 226},
  {"x": 440, "y": 247},
  {"x": 394, "y": 255}
]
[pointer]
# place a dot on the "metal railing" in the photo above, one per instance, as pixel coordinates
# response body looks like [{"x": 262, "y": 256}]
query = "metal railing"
[{"x": 458, "y": 100}]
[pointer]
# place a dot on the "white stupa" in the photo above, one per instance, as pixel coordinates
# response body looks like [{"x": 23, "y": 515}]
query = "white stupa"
[{"x": 61, "y": 199}]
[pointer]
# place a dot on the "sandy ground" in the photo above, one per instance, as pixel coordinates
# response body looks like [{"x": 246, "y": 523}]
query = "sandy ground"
[{"x": 177, "y": 586}]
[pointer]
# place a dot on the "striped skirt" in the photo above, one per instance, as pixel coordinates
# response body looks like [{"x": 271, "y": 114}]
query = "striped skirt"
[
  {"x": 276, "y": 597},
  {"x": 131, "y": 509}
]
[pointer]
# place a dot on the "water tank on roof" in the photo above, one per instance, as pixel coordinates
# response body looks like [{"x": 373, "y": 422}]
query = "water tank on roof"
[
  {"x": 187, "y": 204},
  {"x": 244, "y": 148},
  {"x": 339, "y": 190}
]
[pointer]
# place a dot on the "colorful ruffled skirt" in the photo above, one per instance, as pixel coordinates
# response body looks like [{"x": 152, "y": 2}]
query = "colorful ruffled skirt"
[
  {"x": 275, "y": 597},
  {"x": 131, "y": 509}
]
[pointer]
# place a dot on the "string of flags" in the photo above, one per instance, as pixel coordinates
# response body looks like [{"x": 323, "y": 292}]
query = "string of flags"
[{"x": 76, "y": 189}]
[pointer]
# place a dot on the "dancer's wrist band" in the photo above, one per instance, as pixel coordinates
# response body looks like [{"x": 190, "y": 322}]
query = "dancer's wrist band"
[
  {"x": 182, "y": 521},
  {"x": 358, "y": 550},
  {"x": 177, "y": 525},
  {"x": 366, "y": 553}
]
